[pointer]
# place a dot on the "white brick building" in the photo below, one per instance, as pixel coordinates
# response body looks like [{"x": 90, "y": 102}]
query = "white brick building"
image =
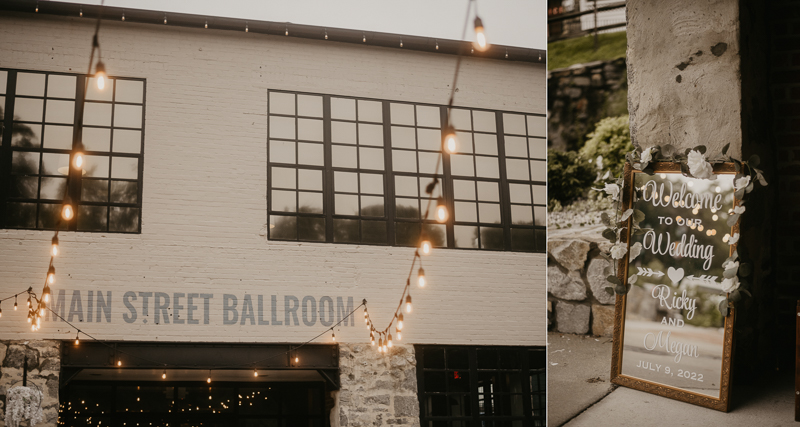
[{"x": 233, "y": 222}]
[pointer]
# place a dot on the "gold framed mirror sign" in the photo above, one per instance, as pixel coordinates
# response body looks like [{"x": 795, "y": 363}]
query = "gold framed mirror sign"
[{"x": 670, "y": 335}]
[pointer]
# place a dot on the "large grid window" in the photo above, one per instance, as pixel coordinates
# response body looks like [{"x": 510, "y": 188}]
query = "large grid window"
[
  {"x": 39, "y": 123},
  {"x": 352, "y": 170},
  {"x": 481, "y": 386}
]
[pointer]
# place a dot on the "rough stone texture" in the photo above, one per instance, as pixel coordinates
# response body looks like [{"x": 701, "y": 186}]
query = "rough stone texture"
[
  {"x": 571, "y": 254},
  {"x": 44, "y": 365},
  {"x": 596, "y": 276},
  {"x": 581, "y": 95},
  {"x": 603, "y": 320},
  {"x": 697, "y": 41},
  {"x": 377, "y": 389},
  {"x": 565, "y": 286},
  {"x": 572, "y": 318}
]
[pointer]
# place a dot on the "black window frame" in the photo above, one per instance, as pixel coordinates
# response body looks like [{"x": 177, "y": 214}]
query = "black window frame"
[
  {"x": 74, "y": 185},
  {"x": 530, "y": 367},
  {"x": 392, "y": 220}
]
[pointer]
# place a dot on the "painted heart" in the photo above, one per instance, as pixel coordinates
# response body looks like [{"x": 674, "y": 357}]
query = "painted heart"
[{"x": 675, "y": 275}]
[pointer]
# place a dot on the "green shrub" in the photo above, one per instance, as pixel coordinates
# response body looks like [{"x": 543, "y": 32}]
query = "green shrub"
[
  {"x": 611, "y": 139},
  {"x": 568, "y": 176}
]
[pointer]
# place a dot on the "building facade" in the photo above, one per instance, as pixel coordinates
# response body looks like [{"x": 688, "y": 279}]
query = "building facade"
[{"x": 247, "y": 185}]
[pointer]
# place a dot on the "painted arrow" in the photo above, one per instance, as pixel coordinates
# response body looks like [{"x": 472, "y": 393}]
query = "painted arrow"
[{"x": 648, "y": 272}]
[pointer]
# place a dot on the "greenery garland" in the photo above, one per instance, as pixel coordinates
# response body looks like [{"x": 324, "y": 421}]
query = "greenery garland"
[{"x": 693, "y": 164}]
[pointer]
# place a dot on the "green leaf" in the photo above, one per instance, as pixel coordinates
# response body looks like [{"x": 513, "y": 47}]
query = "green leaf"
[
  {"x": 739, "y": 194},
  {"x": 606, "y": 220},
  {"x": 735, "y": 296},
  {"x": 613, "y": 279},
  {"x": 732, "y": 219},
  {"x": 754, "y": 161},
  {"x": 745, "y": 269},
  {"x": 725, "y": 148},
  {"x": 621, "y": 290},
  {"x": 685, "y": 169},
  {"x": 745, "y": 291},
  {"x": 687, "y": 151},
  {"x": 760, "y": 178},
  {"x": 609, "y": 290},
  {"x": 701, "y": 149},
  {"x": 638, "y": 215},
  {"x": 626, "y": 215},
  {"x": 723, "y": 308},
  {"x": 749, "y": 188},
  {"x": 610, "y": 234},
  {"x": 667, "y": 150}
]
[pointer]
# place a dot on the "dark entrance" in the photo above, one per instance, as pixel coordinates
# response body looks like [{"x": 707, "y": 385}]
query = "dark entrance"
[{"x": 131, "y": 403}]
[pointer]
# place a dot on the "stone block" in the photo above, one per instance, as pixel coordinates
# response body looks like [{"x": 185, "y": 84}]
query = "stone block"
[
  {"x": 16, "y": 354},
  {"x": 581, "y": 81},
  {"x": 572, "y": 318},
  {"x": 596, "y": 275},
  {"x": 571, "y": 254},
  {"x": 406, "y": 406},
  {"x": 603, "y": 320},
  {"x": 565, "y": 286}
]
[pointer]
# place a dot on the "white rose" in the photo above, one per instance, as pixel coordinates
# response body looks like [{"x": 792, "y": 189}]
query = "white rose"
[
  {"x": 742, "y": 182},
  {"x": 699, "y": 167},
  {"x": 612, "y": 190},
  {"x": 733, "y": 239},
  {"x": 647, "y": 155},
  {"x": 619, "y": 250},
  {"x": 731, "y": 265},
  {"x": 738, "y": 210},
  {"x": 730, "y": 285}
]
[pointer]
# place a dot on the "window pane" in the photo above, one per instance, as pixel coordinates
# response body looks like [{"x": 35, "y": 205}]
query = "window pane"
[
  {"x": 461, "y": 119},
  {"x": 430, "y": 163},
  {"x": 345, "y": 182},
  {"x": 311, "y": 229},
  {"x": 371, "y": 206},
  {"x": 403, "y": 137},
  {"x": 462, "y": 165},
  {"x": 402, "y": 114},
  {"x": 345, "y": 230},
  {"x": 127, "y": 141},
  {"x": 342, "y": 108},
  {"x": 406, "y": 186},
  {"x": 520, "y": 193},
  {"x": 514, "y": 124},
  {"x": 310, "y": 154},
  {"x": 466, "y": 236},
  {"x": 310, "y": 130},
  {"x": 282, "y": 227},
  {"x": 59, "y": 137},
  {"x": 94, "y": 190},
  {"x": 370, "y": 135},
  {"x": 370, "y": 111},
  {"x": 407, "y": 234},
  {"x": 540, "y": 194},
  {"x": 21, "y": 215},
  {"x": 97, "y": 139},
  {"x": 124, "y": 167},
  {"x": 517, "y": 169},
  {"x": 538, "y": 170},
  {"x": 310, "y": 179},
  {"x": 492, "y": 238},
  {"x": 284, "y": 201},
  {"x": 124, "y": 219},
  {"x": 407, "y": 208},
  {"x": 371, "y": 158},
  {"x": 484, "y": 121},
  {"x": 521, "y": 214},
  {"x": 466, "y": 212},
  {"x": 433, "y": 358},
  {"x": 487, "y": 167},
  {"x": 464, "y": 142},
  {"x": 128, "y": 116},
  {"x": 489, "y": 213},
  {"x": 281, "y": 127},
  {"x": 281, "y": 103},
  {"x": 284, "y": 178},
  {"x": 346, "y": 204},
  {"x": 30, "y": 84},
  {"x": 538, "y": 147},
  {"x": 540, "y": 214},
  {"x": 485, "y": 144},
  {"x": 310, "y": 202},
  {"x": 488, "y": 191},
  {"x": 60, "y": 111},
  {"x": 464, "y": 190},
  {"x": 428, "y": 116},
  {"x": 371, "y": 183},
  {"x": 53, "y": 188},
  {"x": 27, "y": 135},
  {"x": 281, "y": 151},
  {"x": 124, "y": 192},
  {"x": 435, "y": 381},
  {"x": 129, "y": 91},
  {"x": 55, "y": 164},
  {"x": 49, "y": 214},
  {"x": 96, "y": 94},
  {"x": 24, "y": 163},
  {"x": 423, "y": 184},
  {"x": 92, "y": 218},
  {"x": 516, "y": 146},
  {"x": 522, "y": 239},
  {"x": 429, "y": 139},
  {"x": 343, "y": 132},
  {"x": 404, "y": 161},
  {"x": 28, "y": 110},
  {"x": 308, "y": 105},
  {"x": 537, "y": 126},
  {"x": 373, "y": 231},
  {"x": 24, "y": 187}
]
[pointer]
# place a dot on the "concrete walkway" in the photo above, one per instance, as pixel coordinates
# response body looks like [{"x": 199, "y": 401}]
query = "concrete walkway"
[{"x": 579, "y": 394}]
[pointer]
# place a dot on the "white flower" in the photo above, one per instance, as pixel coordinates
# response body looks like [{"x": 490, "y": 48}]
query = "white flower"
[
  {"x": 699, "y": 167},
  {"x": 612, "y": 190},
  {"x": 730, "y": 265},
  {"x": 742, "y": 182},
  {"x": 599, "y": 162},
  {"x": 730, "y": 285},
  {"x": 619, "y": 250},
  {"x": 647, "y": 155},
  {"x": 733, "y": 239},
  {"x": 738, "y": 210}
]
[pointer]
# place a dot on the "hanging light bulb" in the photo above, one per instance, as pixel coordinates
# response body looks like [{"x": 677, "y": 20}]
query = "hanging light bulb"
[
  {"x": 100, "y": 75},
  {"x": 206, "y": 26},
  {"x": 123, "y": 16},
  {"x": 1, "y": 310},
  {"x": 480, "y": 35},
  {"x": 425, "y": 246},
  {"x": 450, "y": 140},
  {"x": 15, "y": 300},
  {"x": 401, "y": 42},
  {"x": 45, "y": 295},
  {"x": 164, "y": 375},
  {"x": 390, "y": 341},
  {"x": 326, "y": 34},
  {"x": 54, "y": 246},
  {"x": 37, "y": 7},
  {"x": 371, "y": 337},
  {"x": 363, "y": 38},
  {"x": 287, "y": 30},
  {"x": 208, "y": 380},
  {"x": 421, "y": 277},
  {"x": 506, "y": 53},
  {"x": 66, "y": 211},
  {"x": 165, "y": 19},
  {"x": 255, "y": 372},
  {"x": 441, "y": 210},
  {"x": 246, "y": 27},
  {"x": 366, "y": 319},
  {"x": 38, "y": 322},
  {"x": 296, "y": 359},
  {"x": 400, "y": 321},
  {"x": 77, "y": 339},
  {"x": 30, "y": 317},
  {"x": 119, "y": 362},
  {"x": 437, "y": 44},
  {"x": 408, "y": 303},
  {"x": 33, "y": 328},
  {"x": 399, "y": 337},
  {"x": 333, "y": 336},
  {"x": 80, "y": 13},
  {"x": 380, "y": 344},
  {"x": 51, "y": 277}
]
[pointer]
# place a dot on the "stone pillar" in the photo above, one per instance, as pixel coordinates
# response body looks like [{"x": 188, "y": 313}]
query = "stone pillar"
[
  {"x": 44, "y": 367},
  {"x": 377, "y": 389},
  {"x": 684, "y": 86}
]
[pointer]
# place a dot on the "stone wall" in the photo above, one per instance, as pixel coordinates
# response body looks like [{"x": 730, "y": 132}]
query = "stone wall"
[
  {"x": 576, "y": 281},
  {"x": 44, "y": 364},
  {"x": 580, "y": 96},
  {"x": 377, "y": 389}
]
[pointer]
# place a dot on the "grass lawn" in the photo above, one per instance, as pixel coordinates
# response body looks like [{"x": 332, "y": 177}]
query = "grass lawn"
[{"x": 563, "y": 53}]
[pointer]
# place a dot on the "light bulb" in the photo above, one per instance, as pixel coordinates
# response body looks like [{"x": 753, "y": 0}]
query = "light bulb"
[
  {"x": 400, "y": 321},
  {"x": 206, "y": 24},
  {"x": 287, "y": 31},
  {"x": 67, "y": 212},
  {"x": 77, "y": 159},
  {"x": 77, "y": 340},
  {"x": 363, "y": 38},
  {"x": 450, "y": 140},
  {"x": 389, "y": 341},
  {"x": 255, "y": 373},
  {"x": 246, "y": 28},
  {"x": 54, "y": 247},
  {"x": 437, "y": 45},
  {"x": 401, "y": 43},
  {"x": 399, "y": 337},
  {"x": 372, "y": 341},
  {"x": 119, "y": 363},
  {"x": 33, "y": 328},
  {"x": 1, "y": 311},
  {"x": 80, "y": 13},
  {"x": 408, "y": 303},
  {"x": 441, "y": 211},
  {"x": 425, "y": 246},
  {"x": 480, "y": 35},
  {"x": 51, "y": 275},
  {"x": 15, "y": 301},
  {"x": 326, "y": 35},
  {"x": 164, "y": 375},
  {"x": 421, "y": 276},
  {"x": 165, "y": 19},
  {"x": 30, "y": 319},
  {"x": 100, "y": 75},
  {"x": 38, "y": 322},
  {"x": 296, "y": 359},
  {"x": 123, "y": 16},
  {"x": 333, "y": 336},
  {"x": 45, "y": 295},
  {"x": 208, "y": 380}
]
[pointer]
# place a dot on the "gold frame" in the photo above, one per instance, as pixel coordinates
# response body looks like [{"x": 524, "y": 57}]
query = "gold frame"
[{"x": 723, "y": 402}]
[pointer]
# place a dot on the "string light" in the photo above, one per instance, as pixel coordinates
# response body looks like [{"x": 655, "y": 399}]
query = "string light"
[
  {"x": 1, "y": 309},
  {"x": 425, "y": 246},
  {"x": 206, "y": 26},
  {"x": 472, "y": 50},
  {"x": 77, "y": 338},
  {"x": 123, "y": 16},
  {"x": 54, "y": 246},
  {"x": 165, "y": 19},
  {"x": 164, "y": 375},
  {"x": 408, "y": 303},
  {"x": 45, "y": 297},
  {"x": 480, "y": 35},
  {"x": 450, "y": 143},
  {"x": 80, "y": 13},
  {"x": 255, "y": 372},
  {"x": 333, "y": 336},
  {"x": 287, "y": 31},
  {"x": 119, "y": 362},
  {"x": 37, "y": 7},
  {"x": 506, "y": 53},
  {"x": 441, "y": 210},
  {"x": 421, "y": 277},
  {"x": 326, "y": 34},
  {"x": 100, "y": 75},
  {"x": 363, "y": 38},
  {"x": 246, "y": 27},
  {"x": 399, "y": 336},
  {"x": 15, "y": 300},
  {"x": 389, "y": 341},
  {"x": 400, "y": 321},
  {"x": 208, "y": 380},
  {"x": 66, "y": 211},
  {"x": 51, "y": 278},
  {"x": 401, "y": 42},
  {"x": 437, "y": 44}
]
